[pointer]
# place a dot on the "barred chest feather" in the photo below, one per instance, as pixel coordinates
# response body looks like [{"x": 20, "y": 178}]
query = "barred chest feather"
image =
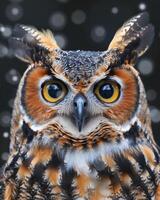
[{"x": 107, "y": 172}]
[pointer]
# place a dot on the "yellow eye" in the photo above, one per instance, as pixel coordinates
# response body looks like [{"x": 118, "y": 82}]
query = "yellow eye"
[
  {"x": 54, "y": 91},
  {"x": 107, "y": 91}
]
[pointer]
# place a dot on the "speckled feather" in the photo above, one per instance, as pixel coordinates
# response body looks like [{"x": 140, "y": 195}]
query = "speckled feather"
[{"x": 115, "y": 156}]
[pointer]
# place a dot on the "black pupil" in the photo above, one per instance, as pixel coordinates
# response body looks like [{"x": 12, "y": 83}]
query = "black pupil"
[
  {"x": 106, "y": 90},
  {"x": 54, "y": 90}
]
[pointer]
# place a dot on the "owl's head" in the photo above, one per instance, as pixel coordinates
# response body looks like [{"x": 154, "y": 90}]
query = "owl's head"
[{"x": 80, "y": 96}]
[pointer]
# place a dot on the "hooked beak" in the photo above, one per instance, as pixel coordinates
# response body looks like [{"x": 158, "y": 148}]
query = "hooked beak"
[{"x": 80, "y": 104}]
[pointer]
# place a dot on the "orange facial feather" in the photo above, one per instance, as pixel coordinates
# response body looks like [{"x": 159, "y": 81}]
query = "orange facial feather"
[
  {"x": 34, "y": 105},
  {"x": 124, "y": 109}
]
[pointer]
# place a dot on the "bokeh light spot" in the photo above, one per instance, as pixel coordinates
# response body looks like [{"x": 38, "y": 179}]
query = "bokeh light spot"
[
  {"x": 3, "y": 51},
  {"x": 151, "y": 95},
  {"x": 78, "y": 17},
  {"x": 145, "y": 66},
  {"x": 98, "y": 33},
  {"x": 155, "y": 114},
  {"x": 114, "y": 10},
  {"x": 5, "y": 118},
  {"x": 142, "y": 6},
  {"x": 61, "y": 40},
  {"x": 14, "y": 12},
  {"x": 13, "y": 77},
  {"x": 58, "y": 20}
]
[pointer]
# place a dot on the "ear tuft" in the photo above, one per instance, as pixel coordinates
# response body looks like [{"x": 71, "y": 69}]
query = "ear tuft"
[
  {"x": 25, "y": 40},
  {"x": 136, "y": 35}
]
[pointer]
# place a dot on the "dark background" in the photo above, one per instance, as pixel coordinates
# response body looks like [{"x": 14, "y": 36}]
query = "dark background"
[{"x": 85, "y": 24}]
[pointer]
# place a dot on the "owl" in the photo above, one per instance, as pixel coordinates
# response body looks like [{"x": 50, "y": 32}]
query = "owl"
[{"x": 81, "y": 127}]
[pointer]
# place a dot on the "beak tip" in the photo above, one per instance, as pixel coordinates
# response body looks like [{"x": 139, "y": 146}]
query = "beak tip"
[
  {"x": 80, "y": 129},
  {"x": 79, "y": 125}
]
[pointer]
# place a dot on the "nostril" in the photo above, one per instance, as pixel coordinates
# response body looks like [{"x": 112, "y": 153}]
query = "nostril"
[
  {"x": 85, "y": 104},
  {"x": 75, "y": 104}
]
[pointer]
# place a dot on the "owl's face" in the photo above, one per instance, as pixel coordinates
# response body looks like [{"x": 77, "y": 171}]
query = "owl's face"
[
  {"x": 78, "y": 93},
  {"x": 83, "y": 93}
]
